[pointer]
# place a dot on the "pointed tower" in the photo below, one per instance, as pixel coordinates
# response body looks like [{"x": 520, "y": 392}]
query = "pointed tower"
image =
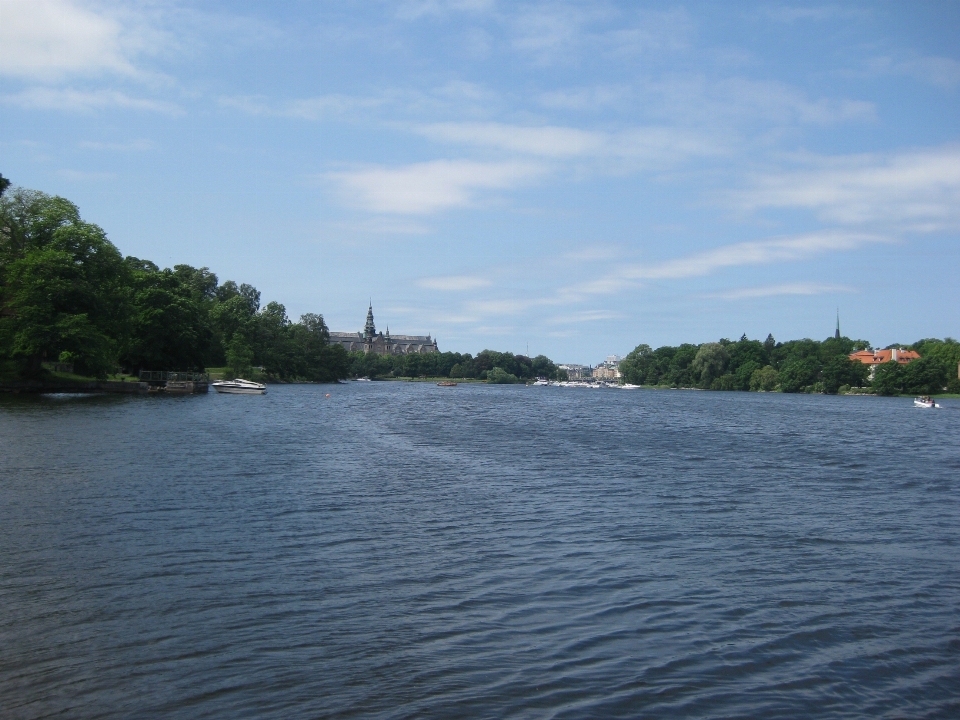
[
  {"x": 837, "y": 333},
  {"x": 369, "y": 330}
]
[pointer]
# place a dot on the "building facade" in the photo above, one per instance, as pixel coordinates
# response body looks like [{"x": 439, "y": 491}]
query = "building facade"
[
  {"x": 383, "y": 343},
  {"x": 878, "y": 357}
]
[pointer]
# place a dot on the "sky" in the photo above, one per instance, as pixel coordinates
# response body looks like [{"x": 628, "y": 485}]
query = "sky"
[{"x": 565, "y": 178}]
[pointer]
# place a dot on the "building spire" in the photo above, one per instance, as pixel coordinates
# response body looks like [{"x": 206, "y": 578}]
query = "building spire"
[
  {"x": 369, "y": 330},
  {"x": 837, "y": 334}
]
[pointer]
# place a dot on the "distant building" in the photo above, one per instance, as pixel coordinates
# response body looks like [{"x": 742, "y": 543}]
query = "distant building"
[
  {"x": 609, "y": 369},
  {"x": 576, "y": 372},
  {"x": 383, "y": 343},
  {"x": 606, "y": 372},
  {"x": 878, "y": 357}
]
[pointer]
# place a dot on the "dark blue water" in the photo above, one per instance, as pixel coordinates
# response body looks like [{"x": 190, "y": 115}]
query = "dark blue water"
[{"x": 403, "y": 550}]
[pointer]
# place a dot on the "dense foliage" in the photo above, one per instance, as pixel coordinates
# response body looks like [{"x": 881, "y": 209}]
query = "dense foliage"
[
  {"x": 68, "y": 295},
  {"x": 488, "y": 365},
  {"x": 794, "y": 366}
]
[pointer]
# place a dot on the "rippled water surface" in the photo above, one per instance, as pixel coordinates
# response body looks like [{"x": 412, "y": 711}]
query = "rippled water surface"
[{"x": 404, "y": 550}]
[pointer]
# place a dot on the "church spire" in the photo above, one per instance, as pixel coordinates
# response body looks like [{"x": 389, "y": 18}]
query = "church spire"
[
  {"x": 837, "y": 334},
  {"x": 369, "y": 330}
]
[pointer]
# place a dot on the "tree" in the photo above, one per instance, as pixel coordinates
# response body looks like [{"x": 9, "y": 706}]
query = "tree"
[
  {"x": 710, "y": 362},
  {"x": 797, "y": 375},
  {"x": 63, "y": 291},
  {"x": 840, "y": 370},
  {"x": 765, "y": 379},
  {"x": 888, "y": 379},
  {"x": 170, "y": 327},
  {"x": 499, "y": 376}
]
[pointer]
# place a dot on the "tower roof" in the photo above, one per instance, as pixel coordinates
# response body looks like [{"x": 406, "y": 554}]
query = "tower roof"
[{"x": 370, "y": 329}]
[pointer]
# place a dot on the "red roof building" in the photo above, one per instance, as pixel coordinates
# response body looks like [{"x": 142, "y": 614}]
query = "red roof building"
[{"x": 877, "y": 357}]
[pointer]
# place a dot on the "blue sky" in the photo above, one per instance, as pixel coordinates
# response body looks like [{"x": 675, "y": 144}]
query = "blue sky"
[{"x": 576, "y": 178}]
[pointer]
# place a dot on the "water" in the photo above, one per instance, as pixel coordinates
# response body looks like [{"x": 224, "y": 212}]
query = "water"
[{"x": 403, "y": 550}]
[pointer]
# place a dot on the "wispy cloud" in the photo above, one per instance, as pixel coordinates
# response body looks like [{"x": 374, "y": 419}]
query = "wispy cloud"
[
  {"x": 85, "y": 175},
  {"x": 642, "y": 147},
  {"x": 584, "y": 98},
  {"x": 415, "y": 9},
  {"x": 800, "y": 288},
  {"x": 918, "y": 190},
  {"x": 941, "y": 71},
  {"x": 584, "y": 316},
  {"x": 454, "y": 283},
  {"x": 129, "y": 146},
  {"x": 761, "y": 252},
  {"x": 312, "y": 108},
  {"x": 740, "y": 101},
  {"x": 67, "y": 100},
  {"x": 429, "y": 187},
  {"x": 543, "y": 141}
]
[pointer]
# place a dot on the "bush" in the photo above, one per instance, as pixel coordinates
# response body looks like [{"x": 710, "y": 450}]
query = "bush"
[
  {"x": 499, "y": 376},
  {"x": 765, "y": 379}
]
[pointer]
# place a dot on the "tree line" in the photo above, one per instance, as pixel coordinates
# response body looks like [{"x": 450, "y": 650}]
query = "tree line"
[
  {"x": 68, "y": 295},
  {"x": 794, "y": 366},
  {"x": 489, "y": 365}
]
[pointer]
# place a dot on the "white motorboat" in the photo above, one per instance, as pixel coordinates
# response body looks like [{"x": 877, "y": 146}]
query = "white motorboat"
[
  {"x": 239, "y": 386},
  {"x": 925, "y": 402},
  {"x": 629, "y": 386},
  {"x": 542, "y": 381}
]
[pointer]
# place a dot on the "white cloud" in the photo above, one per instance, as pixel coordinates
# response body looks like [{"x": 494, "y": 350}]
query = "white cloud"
[
  {"x": 415, "y": 9},
  {"x": 543, "y": 141},
  {"x": 914, "y": 190},
  {"x": 647, "y": 147},
  {"x": 454, "y": 282},
  {"x": 738, "y": 101},
  {"x": 943, "y": 72},
  {"x": 761, "y": 252},
  {"x": 800, "y": 288},
  {"x": 584, "y": 316},
  {"x": 84, "y": 175},
  {"x": 589, "y": 98},
  {"x": 48, "y": 39},
  {"x": 312, "y": 108},
  {"x": 130, "y": 146},
  {"x": 429, "y": 187},
  {"x": 41, "y": 98}
]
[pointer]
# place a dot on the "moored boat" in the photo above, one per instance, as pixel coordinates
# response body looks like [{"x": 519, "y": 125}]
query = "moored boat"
[
  {"x": 446, "y": 383},
  {"x": 239, "y": 386}
]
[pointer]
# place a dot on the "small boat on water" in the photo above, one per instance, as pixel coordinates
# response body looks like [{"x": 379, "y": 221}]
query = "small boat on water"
[
  {"x": 629, "y": 386},
  {"x": 925, "y": 402},
  {"x": 239, "y": 386},
  {"x": 446, "y": 383},
  {"x": 541, "y": 381}
]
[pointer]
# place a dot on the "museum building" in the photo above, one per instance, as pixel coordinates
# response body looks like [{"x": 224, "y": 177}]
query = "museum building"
[{"x": 383, "y": 343}]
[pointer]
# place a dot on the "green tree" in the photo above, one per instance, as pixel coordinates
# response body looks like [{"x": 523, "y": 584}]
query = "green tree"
[
  {"x": 62, "y": 291},
  {"x": 710, "y": 362},
  {"x": 239, "y": 357},
  {"x": 797, "y": 375},
  {"x": 499, "y": 376},
  {"x": 840, "y": 370},
  {"x": 765, "y": 379},
  {"x": 888, "y": 379},
  {"x": 170, "y": 328}
]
